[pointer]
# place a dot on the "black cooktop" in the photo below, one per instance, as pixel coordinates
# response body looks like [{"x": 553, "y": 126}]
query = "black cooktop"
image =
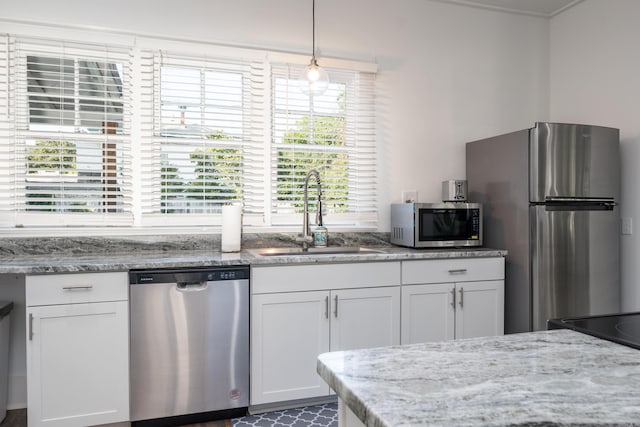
[{"x": 621, "y": 328}]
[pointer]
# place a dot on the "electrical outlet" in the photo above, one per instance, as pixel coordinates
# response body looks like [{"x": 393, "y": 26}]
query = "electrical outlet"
[
  {"x": 627, "y": 225},
  {"x": 409, "y": 196}
]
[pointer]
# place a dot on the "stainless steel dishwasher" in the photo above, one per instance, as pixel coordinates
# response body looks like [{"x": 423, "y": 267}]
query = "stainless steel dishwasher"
[{"x": 189, "y": 345}]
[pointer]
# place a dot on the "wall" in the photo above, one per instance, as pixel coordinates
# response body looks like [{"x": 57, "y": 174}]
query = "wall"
[
  {"x": 447, "y": 73},
  {"x": 595, "y": 78}
]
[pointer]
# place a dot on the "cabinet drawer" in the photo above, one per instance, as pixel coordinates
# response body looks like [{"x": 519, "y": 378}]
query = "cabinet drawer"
[
  {"x": 317, "y": 277},
  {"x": 452, "y": 270},
  {"x": 76, "y": 288}
]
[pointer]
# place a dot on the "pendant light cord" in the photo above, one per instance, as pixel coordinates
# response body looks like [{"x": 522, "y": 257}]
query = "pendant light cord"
[{"x": 313, "y": 26}]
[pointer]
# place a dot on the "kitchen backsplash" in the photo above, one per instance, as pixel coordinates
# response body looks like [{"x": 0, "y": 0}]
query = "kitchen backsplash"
[{"x": 168, "y": 243}]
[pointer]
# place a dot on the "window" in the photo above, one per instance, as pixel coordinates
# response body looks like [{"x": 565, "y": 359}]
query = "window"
[
  {"x": 206, "y": 130},
  {"x": 204, "y": 134},
  {"x": 70, "y": 147},
  {"x": 201, "y": 126},
  {"x": 332, "y": 133}
]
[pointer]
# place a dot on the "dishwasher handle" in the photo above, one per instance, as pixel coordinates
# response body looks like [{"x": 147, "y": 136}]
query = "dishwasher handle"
[{"x": 191, "y": 286}]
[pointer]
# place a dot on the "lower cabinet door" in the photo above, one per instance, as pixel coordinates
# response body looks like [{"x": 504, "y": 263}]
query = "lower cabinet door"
[
  {"x": 480, "y": 309},
  {"x": 78, "y": 364},
  {"x": 288, "y": 332},
  {"x": 365, "y": 318},
  {"x": 428, "y": 313}
]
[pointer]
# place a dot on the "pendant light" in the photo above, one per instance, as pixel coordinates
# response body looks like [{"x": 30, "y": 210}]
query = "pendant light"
[{"x": 314, "y": 79}]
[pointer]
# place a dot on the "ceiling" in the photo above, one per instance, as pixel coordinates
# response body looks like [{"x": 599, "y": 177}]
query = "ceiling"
[{"x": 545, "y": 8}]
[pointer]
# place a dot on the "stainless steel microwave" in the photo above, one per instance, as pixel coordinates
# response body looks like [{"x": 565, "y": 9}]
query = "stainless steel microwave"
[{"x": 436, "y": 225}]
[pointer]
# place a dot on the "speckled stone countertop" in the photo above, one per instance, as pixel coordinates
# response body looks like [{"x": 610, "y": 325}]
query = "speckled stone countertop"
[
  {"x": 551, "y": 378},
  {"x": 60, "y": 255}
]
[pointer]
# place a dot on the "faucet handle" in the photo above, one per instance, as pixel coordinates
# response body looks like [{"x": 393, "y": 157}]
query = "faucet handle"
[{"x": 302, "y": 238}]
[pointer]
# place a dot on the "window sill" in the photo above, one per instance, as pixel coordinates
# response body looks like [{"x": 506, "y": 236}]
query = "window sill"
[{"x": 157, "y": 231}]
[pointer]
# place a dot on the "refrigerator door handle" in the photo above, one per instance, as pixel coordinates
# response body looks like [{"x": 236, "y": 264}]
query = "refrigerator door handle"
[
  {"x": 590, "y": 200},
  {"x": 573, "y": 204},
  {"x": 570, "y": 199}
]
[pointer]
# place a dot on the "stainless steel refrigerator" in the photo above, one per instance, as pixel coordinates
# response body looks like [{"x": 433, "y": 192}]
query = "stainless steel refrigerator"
[{"x": 550, "y": 197}]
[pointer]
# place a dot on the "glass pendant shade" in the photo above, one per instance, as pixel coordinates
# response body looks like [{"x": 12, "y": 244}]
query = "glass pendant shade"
[{"x": 314, "y": 79}]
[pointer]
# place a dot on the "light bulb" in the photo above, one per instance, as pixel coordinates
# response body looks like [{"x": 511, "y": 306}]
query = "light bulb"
[
  {"x": 313, "y": 74},
  {"x": 314, "y": 79}
]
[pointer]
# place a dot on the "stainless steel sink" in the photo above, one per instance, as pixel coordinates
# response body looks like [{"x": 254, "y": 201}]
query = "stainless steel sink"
[{"x": 315, "y": 251}]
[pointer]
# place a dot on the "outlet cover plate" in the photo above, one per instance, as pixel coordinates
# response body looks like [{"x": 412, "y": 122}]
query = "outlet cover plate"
[{"x": 409, "y": 196}]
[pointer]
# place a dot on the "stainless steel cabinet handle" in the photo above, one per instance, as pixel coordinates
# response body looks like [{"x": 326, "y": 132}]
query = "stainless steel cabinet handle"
[
  {"x": 458, "y": 271},
  {"x": 461, "y": 297},
  {"x": 30, "y": 326},
  {"x": 326, "y": 307},
  {"x": 78, "y": 288},
  {"x": 453, "y": 297},
  {"x": 335, "y": 312}
]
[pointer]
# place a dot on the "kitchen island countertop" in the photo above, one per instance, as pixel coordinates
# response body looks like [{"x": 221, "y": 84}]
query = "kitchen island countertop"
[{"x": 550, "y": 378}]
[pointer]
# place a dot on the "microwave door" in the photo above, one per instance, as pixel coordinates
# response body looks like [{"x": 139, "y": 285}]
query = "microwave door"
[{"x": 450, "y": 226}]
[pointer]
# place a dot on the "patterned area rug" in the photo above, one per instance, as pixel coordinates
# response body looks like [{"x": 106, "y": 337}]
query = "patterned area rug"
[{"x": 320, "y": 415}]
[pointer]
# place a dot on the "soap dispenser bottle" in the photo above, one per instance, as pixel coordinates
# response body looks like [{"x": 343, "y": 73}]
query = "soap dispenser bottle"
[{"x": 320, "y": 234}]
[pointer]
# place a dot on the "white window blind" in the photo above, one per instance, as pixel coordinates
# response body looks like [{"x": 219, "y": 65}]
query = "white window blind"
[
  {"x": 207, "y": 139},
  {"x": 333, "y": 133},
  {"x": 102, "y": 135},
  {"x": 7, "y": 130},
  {"x": 69, "y": 162}
]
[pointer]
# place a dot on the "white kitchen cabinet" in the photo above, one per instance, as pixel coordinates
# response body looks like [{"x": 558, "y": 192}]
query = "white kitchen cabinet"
[
  {"x": 364, "y": 318},
  {"x": 317, "y": 308},
  {"x": 288, "y": 332},
  {"x": 77, "y": 349},
  {"x": 453, "y": 298},
  {"x": 479, "y": 309},
  {"x": 427, "y": 313}
]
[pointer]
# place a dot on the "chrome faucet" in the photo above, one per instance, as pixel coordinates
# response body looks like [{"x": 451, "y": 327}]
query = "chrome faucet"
[{"x": 305, "y": 237}]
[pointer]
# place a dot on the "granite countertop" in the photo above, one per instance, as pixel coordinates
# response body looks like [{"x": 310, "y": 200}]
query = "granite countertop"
[
  {"x": 550, "y": 378},
  {"x": 92, "y": 255}
]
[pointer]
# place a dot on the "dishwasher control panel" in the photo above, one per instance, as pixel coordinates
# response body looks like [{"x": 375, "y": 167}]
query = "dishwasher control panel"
[{"x": 137, "y": 277}]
